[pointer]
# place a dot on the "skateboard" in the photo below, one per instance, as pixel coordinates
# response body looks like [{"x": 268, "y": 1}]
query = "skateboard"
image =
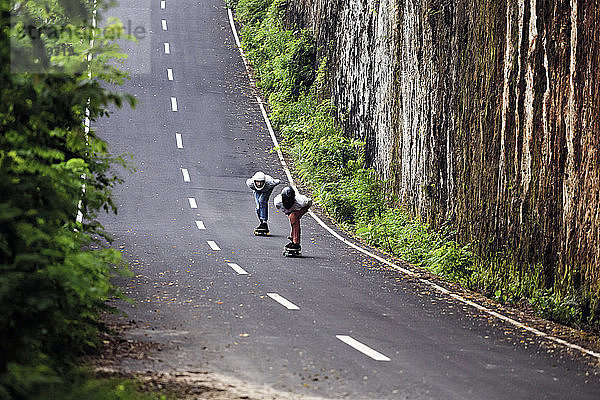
[
  {"x": 291, "y": 253},
  {"x": 261, "y": 232}
]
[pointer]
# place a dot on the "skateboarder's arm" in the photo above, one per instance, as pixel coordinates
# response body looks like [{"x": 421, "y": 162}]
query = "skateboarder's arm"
[
  {"x": 303, "y": 201},
  {"x": 271, "y": 182},
  {"x": 278, "y": 202}
]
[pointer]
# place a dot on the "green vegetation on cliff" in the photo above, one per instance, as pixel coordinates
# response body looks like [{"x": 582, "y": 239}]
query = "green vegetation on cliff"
[{"x": 331, "y": 165}]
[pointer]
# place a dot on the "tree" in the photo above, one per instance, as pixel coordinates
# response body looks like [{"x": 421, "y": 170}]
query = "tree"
[{"x": 54, "y": 272}]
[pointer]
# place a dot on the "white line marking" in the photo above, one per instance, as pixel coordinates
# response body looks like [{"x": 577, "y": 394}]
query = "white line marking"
[
  {"x": 283, "y": 301},
  {"x": 174, "y": 104},
  {"x": 275, "y": 142},
  {"x": 163, "y": 4},
  {"x": 164, "y": 24},
  {"x": 259, "y": 101},
  {"x": 239, "y": 45},
  {"x": 170, "y": 73},
  {"x": 363, "y": 348},
  {"x": 380, "y": 259},
  {"x": 179, "y": 140},
  {"x": 366, "y": 252},
  {"x": 200, "y": 225},
  {"x": 213, "y": 245},
  {"x": 237, "y": 269},
  {"x": 167, "y": 48},
  {"x": 186, "y": 175},
  {"x": 234, "y": 30},
  {"x": 192, "y": 202}
]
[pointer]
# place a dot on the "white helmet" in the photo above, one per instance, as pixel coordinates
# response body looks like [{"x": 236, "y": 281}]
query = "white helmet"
[{"x": 259, "y": 180}]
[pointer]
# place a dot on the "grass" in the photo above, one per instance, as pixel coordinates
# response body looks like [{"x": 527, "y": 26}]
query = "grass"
[{"x": 38, "y": 383}]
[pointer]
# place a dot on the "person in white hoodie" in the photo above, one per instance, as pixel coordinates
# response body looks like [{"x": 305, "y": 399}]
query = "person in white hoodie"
[
  {"x": 294, "y": 205},
  {"x": 262, "y": 185}
]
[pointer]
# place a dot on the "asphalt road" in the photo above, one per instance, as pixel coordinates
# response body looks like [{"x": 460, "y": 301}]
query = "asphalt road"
[{"x": 196, "y": 136}]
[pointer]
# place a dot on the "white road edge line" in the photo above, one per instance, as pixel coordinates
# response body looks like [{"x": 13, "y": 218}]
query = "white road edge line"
[
  {"x": 163, "y": 4},
  {"x": 170, "y": 73},
  {"x": 283, "y": 301},
  {"x": 179, "y": 140},
  {"x": 167, "y": 48},
  {"x": 164, "y": 24},
  {"x": 363, "y": 348},
  {"x": 380, "y": 259},
  {"x": 192, "y": 202},
  {"x": 237, "y": 268},
  {"x": 200, "y": 225},
  {"x": 239, "y": 45},
  {"x": 186, "y": 175},
  {"x": 213, "y": 245},
  {"x": 174, "y": 104}
]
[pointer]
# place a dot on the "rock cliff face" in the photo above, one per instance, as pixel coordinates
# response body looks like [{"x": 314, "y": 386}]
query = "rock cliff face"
[{"x": 483, "y": 112}]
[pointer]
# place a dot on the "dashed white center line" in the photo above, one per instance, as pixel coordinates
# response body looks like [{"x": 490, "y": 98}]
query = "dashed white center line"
[
  {"x": 167, "y": 48},
  {"x": 170, "y": 73},
  {"x": 179, "y": 140},
  {"x": 363, "y": 348},
  {"x": 186, "y": 175},
  {"x": 200, "y": 225},
  {"x": 237, "y": 269},
  {"x": 164, "y": 24},
  {"x": 192, "y": 202},
  {"x": 174, "y": 103},
  {"x": 163, "y": 4},
  {"x": 283, "y": 301},
  {"x": 213, "y": 245}
]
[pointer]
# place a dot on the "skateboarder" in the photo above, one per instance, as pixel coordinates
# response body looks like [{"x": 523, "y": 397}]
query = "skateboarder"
[
  {"x": 294, "y": 205},
  {"x": 263, "y": 186}
]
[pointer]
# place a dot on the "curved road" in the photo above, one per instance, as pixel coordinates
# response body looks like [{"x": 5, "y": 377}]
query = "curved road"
[{"x": 335, "y": 323}]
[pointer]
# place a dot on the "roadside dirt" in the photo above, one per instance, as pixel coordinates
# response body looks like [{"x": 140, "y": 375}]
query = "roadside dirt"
[{"x": 188, "y": 385}]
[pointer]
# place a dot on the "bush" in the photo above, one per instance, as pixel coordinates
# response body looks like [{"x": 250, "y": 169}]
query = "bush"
[
  {"x": 54, "y": 272},
  {"x": 33, "y": 383},
  {"x": 284, "y": 59},
  {"x": 566, "y": 309},
  {"x": 251, "y": 12}
]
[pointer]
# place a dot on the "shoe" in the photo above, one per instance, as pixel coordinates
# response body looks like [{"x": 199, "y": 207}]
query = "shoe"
[
  {"x": 264, "y": 227},
  {"x": 293, "y": 246}
]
